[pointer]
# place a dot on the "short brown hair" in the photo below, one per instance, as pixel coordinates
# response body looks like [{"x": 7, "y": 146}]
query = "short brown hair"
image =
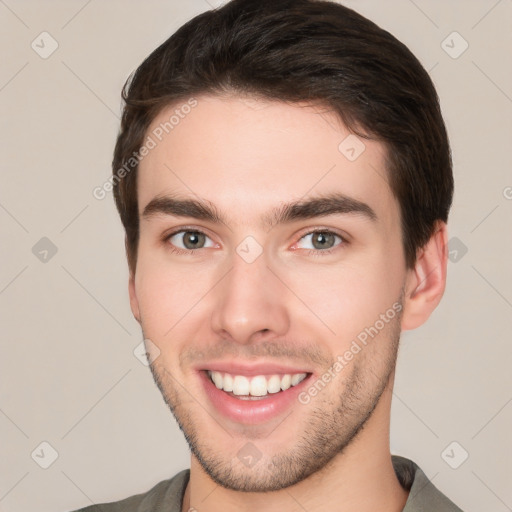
[{"x": 301, "y": 50}]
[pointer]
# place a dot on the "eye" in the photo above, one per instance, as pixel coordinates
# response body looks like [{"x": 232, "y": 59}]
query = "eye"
[
  {"x": 190, "y": 239},
  {"x": 320, "y": 240}
]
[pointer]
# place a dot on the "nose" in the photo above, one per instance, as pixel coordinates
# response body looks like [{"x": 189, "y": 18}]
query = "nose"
[{"x": 250, "y": 303}]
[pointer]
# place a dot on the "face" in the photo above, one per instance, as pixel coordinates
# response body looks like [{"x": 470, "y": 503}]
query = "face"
[{"x": 270, "y": 260}]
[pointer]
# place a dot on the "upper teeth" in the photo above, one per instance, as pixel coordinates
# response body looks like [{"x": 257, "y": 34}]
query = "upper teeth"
[{"x": 256, "y": 386}]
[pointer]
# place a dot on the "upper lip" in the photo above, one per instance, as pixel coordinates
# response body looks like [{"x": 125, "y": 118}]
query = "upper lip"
[{"x": 251, "y": 369}]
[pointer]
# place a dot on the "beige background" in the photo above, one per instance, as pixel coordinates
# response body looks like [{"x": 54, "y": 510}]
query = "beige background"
[{"x": 68, "y": 373}]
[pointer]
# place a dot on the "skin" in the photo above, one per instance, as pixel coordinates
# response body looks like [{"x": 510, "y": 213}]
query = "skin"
[{"x": 294, "y": 304}]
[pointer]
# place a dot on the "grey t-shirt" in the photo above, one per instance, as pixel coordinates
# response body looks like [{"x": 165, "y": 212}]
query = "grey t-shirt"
[{"x": 167, "y": 496}]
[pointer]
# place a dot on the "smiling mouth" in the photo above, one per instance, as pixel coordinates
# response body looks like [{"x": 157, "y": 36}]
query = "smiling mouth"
[{"x": 256, "y": 387}]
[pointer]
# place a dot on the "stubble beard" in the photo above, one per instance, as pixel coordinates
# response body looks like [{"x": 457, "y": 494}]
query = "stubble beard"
[{"x": 333, "y": 423}]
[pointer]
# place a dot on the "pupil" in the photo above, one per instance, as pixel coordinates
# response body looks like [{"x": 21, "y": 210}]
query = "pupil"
[
  {"x": 322, "y": 239},
  {"x": 192, "y": 240}
]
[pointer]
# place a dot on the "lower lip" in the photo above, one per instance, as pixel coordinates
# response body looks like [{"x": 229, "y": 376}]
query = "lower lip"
[{"x": 251, "y": 412}]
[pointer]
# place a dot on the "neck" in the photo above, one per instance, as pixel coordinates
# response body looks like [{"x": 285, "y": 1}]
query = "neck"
[{"x": 359, "y": 479}]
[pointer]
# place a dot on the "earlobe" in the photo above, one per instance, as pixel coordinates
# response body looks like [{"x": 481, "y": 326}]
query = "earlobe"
[{"x": 427, "y": 280}]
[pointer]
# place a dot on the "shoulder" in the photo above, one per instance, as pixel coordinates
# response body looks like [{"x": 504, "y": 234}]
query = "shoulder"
[
  {"x": 423, "y": 495},
  {"x": 166, "y": 495}
]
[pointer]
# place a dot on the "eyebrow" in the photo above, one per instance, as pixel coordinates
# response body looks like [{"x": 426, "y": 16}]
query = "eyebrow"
[{"x": 332, "y": 204}]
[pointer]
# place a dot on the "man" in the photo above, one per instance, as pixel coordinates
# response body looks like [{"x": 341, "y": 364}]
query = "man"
[{"x": 283, "y": 174}]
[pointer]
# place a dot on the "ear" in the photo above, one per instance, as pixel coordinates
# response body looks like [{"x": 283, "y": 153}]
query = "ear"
[
  {"x": 426, "y": 282},
  {"x": 132, "y": 292},
  {"x": 134, "y": 302}
]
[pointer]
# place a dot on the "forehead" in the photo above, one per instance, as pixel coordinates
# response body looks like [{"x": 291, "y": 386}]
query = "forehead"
[{"x": 245, "y": 153}]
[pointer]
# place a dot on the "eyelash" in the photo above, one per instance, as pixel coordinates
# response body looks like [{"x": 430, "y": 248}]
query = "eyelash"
[
  {"x": 176, "y": 250},
  {"x": 309, "y": 252},
  {"x": 324, "y": 252}
]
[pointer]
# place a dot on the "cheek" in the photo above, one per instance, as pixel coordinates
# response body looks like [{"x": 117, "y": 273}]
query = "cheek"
[
  {"x": 164, "y": 304},
  {"x": 164, "y": 294},
  {"x": 351, "y": 296},
  {"x": 345, "y": 300}
]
